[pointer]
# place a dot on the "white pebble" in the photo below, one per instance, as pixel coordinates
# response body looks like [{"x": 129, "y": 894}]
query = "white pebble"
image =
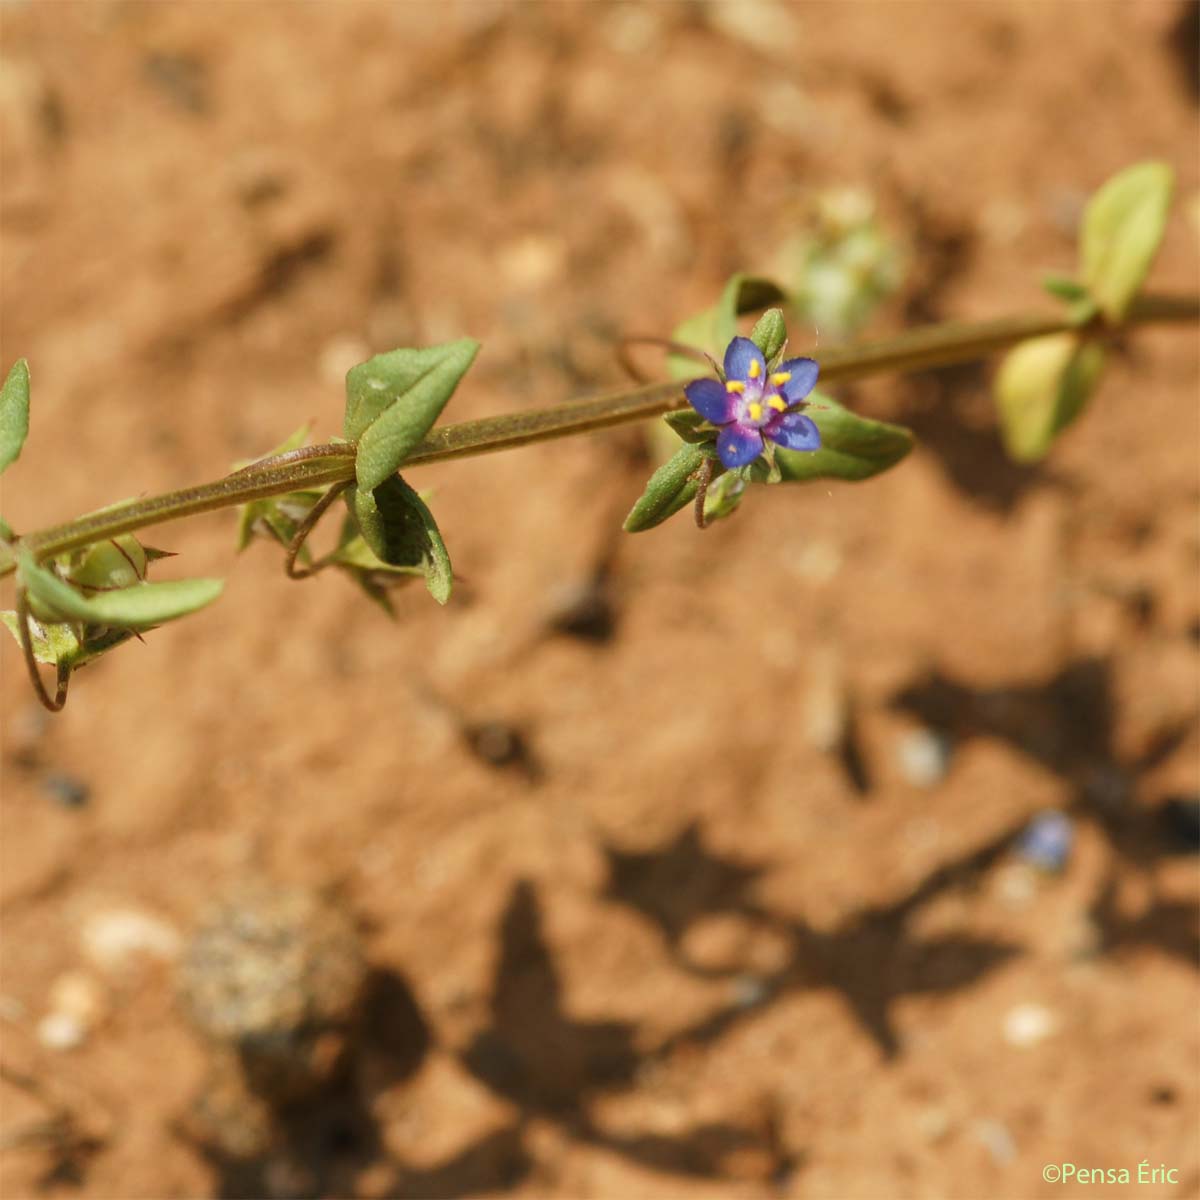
[
  {"x": 1028, "y": 1024},
  {"x": 998, "y": 1140},
  {"x": 76, "y": 994},
  {"x": 924, "y": 757},
  {"x": 115, "y": 939},
  {"x": 61, "y": 1031}
]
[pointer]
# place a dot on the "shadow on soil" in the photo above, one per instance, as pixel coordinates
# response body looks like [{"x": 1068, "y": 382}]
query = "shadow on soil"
[{"x": 552, "y": 1067}]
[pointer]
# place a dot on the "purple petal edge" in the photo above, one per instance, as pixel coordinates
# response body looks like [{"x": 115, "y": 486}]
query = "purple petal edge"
[
  {"x": 740, "y": 353},
  {"x": 737, "y": 445},
  {"x": 710, "y": 400}
]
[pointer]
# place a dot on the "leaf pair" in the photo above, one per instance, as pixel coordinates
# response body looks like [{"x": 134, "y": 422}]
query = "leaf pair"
[{"x": 1045, "y": 383}]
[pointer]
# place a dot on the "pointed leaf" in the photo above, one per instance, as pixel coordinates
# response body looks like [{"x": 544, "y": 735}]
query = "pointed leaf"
[
  {"x": 401, "y": 531},
  {"x": 1042, "y": 386},
  {"x": 393, "y": 399},
  {"x": 140, "y": 607},
  {"x": 670, "y": 488},
  {"x": 852, "y": 447},
  {"x": 689, "y": 425},
  {"x": 54, "y": 642},
  {"x": 14, "y": 413},
  {"x": 770, "y": 333},
  {"x": 1123, "y": 226}
]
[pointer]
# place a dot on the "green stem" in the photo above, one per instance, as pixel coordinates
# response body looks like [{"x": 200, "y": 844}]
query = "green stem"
[{"x": 320, "y": 466}]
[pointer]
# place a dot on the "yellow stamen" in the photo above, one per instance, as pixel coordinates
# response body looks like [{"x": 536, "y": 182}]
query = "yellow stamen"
[
  {"x": 755, "y": 410},
  {"x": 736, "y": 386},
  {"x": 778, "y": 403},
  {"x": 780, "y": 378},
  {"x": 754, "y": 370}
]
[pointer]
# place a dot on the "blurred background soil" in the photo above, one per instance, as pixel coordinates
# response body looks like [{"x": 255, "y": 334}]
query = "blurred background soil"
[{"x": 672, "y": 865}]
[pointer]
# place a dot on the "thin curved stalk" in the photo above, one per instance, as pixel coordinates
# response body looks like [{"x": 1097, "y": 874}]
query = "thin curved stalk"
[{"x": 31, "y": 664}]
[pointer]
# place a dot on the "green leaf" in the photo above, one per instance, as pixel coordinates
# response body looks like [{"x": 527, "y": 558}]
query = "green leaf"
[
  {"x": 376, "y": 578},
  {"x": 852, "y": 447},
  {"x": 393, "y": 399},
  {"x": 54, "y": 642},
  {"x": 689, "y": 425},
  {"x": 670, "y": 488},
  {"x": 142, "y": 606},
  {"x": 770, "y": 333},
  {"x": 277, "y": 518},
  {"x": 6, "y": 530},
  {"x": 400, "y": 530},
  {"x": 1123, "y": 226},
  {"x": 1042, "y": 386},
  {"x": 14, "y": 413},
  {"x": 713, "y": 329}
]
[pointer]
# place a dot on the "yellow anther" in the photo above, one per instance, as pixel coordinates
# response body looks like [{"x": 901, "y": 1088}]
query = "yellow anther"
[
  {"x": 780, "y": 378},
  {"x": 736, "y": 386},
  {"x": 755, "y": 410},
  {"x": 778, "y": 403},
  {"x": 755, "y": 370}
]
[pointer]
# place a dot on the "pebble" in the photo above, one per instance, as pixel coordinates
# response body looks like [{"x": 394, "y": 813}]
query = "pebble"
[
  {"x": 66, "y": 789},
  {"x": 1046, "y": 841},
  {"x": 827, "y": 703},
  {"x": 275, "y": 975},
  {"x": 61, "y": 1031},
  {"x": 1016, "y": 884},
  {"x": 998, "y": 1141},
  {"x": 924, "y": 757},
  {"x": 1028, "y": 1024},
  {"x": 76, "y": 1005},
  {"x": 116, "y": 939}
]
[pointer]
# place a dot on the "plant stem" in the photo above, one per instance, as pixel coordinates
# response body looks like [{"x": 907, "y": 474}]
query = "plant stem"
[{"x": 320, "y": 466}]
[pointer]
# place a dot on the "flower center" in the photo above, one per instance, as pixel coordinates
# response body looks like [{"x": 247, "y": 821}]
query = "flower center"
[{"x": 759, "y": 400}]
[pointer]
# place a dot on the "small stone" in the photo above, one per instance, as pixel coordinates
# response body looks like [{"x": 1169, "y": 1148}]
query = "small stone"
[
  {"x": 933, "y": 1124},
  {"x": 1016, "y": 884},
  {"x": 582, "y": 609},
  {"x": 826, "y": 703},
  {"x": 77, "y": 993},
  {"x": 66, "y": 789},
  {"x": 1028, "y": 1024},
  {"x": 1046, "y": 841},
  {"x": 924, "y": 757},
  {"x": 749, "y": 991},
  {"x": 116, "y": 939},
  {"x": 61, "y": 1031},
  {"x": 275, "y": 975},
  {"x": 998, "y": 1141}
]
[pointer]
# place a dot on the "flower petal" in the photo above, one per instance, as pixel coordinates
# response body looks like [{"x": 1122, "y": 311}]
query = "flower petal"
[
  {"x": 740, "y": 356},
  {"x": 710, "y": 400},
  {"x": 803, "y": 372},
  {"x": 795, "y": 431},
  {"x": 738, "y": 445}
]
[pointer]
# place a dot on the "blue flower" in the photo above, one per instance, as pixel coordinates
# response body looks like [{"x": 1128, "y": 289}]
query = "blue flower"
[{"x": 752, "y": 405}]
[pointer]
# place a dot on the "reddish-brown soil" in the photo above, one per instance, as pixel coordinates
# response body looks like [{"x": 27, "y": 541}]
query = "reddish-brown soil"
[{"x": 676, "y": 950}]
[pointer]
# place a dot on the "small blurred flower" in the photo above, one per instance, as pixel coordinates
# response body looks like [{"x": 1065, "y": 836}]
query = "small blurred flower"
[{"x": 753, "y": 404}]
